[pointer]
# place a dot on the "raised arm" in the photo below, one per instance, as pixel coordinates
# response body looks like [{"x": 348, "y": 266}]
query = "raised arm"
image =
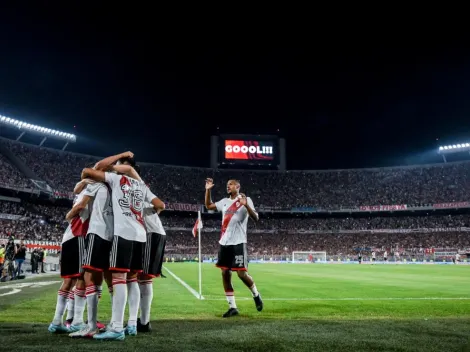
[
  {"x": 95, "y": 175},
  {"x": 208, "y": 200},
  {"x": 106, "y": 163},
  {"x": 127, "y": 170},
  {"x": 77, "y": 208}
]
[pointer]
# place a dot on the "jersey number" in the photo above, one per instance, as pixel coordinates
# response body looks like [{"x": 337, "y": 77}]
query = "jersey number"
[{"x": 239, "y": 260}]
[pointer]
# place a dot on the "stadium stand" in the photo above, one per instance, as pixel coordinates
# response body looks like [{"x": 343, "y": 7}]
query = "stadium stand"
[{"x": 281, "y": 230}]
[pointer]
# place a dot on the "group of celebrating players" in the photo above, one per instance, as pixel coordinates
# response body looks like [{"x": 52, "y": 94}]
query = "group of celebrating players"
[{"x": 115, "y": 235}]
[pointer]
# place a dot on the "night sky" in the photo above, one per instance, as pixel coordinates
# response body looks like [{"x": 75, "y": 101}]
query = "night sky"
[{"x": 337, "y": 107}]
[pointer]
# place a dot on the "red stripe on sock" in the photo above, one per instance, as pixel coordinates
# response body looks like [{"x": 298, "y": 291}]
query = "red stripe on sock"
[
  {"x": 63, "y": 293},
  {"x": 80, "y": 293},
  {"x": 229, "y": 293},
  {"x": 119, "y": 282},
  {"x": 131, "y": 280}
]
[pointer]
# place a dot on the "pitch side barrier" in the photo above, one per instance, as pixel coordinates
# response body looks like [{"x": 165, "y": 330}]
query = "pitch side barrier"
[{"x": 356, "y": 262}]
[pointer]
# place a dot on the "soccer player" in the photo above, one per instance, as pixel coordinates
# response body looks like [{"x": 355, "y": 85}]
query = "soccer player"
[
  {"x": 71, "y": 258},
  {"x": 98, "y": 246},
  {"x": 153, "y": 259},
  {"x": 232, "y": 252},
  {"x": 385, "y": 256},
  {"x": 128, "y": 196},
  {"x": 373, "y": 257}
]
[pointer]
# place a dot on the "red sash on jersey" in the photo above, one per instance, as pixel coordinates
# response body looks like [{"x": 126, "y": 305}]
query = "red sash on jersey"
[
  {"x": 228, "y": 216},
  {"x": 79, "y": 227}
]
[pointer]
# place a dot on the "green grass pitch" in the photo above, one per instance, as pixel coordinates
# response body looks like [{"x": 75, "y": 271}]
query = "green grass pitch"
[{"x": 308, "y": 307}]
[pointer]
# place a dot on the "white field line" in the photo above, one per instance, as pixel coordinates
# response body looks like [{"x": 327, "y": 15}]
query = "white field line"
[
  {"x": 215, "y": 298},
  {"x": 189, "y": 288},
  {"x": 12, "y": 292}
]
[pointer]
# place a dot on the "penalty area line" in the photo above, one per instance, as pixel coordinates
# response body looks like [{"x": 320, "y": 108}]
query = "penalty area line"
[
  {"x": 189, "y": 288},
  {"x": 213, "y": 298}
]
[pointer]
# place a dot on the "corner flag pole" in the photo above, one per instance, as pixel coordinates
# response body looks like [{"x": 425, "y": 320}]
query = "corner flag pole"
[{"x": 199, "y": 227}]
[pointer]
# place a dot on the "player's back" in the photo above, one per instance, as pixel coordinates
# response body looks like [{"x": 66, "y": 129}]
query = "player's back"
[
  {"x": 128, "y": 197},
  {"x": 101, "y": 219}
]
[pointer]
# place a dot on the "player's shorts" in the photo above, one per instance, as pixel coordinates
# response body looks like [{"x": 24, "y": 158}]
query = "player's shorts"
[
  {"x": 385, "y": 259},
  {"x": 154, "y": 249},
  {"x": 233, "y": 257},
  {"x": 126, "y": 255},
  {"x": 97, "y": 253},
  {"x": 373, "y": 259},
  {"x": 71, "y": 257}
]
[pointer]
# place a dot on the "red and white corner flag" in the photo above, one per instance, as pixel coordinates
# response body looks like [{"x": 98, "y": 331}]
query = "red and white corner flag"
[{"x": 198, "y": 224}]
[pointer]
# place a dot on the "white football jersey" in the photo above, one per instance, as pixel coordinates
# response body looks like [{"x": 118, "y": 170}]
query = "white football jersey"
[
  {"x": 128, "y": 197},
  {"x": 385, "y": 254},
  {"x": 152, "y": 220},
  {"x": 234, "y": 221},
  {"x": 79, "y": 224},
  {"x": 101, "y": 219}
]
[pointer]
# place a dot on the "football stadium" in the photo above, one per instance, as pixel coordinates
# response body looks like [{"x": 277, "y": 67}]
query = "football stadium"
[{"x": 351, "y": 259}]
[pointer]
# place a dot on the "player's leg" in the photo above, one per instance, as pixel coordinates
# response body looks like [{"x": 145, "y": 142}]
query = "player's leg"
[
  {"x": 70, "y": 305},
  {"x": 154, "y": 252},
  {"x": 133, "y": 291},
  {"x": 80, "y": 290},
  {"x": 95, "y": 262},
  {"x": 70, "y": 269},
  {"x": 241, "y": 267},
  {"x": 108, "y": 277},
  {"x": 57, "y": 325},
  {"x": 224, "y": 262},
  {"x": 119, "y": 265}
]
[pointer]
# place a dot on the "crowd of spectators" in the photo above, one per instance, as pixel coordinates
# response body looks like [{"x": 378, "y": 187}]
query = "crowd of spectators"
[
  {"x": 10, "y": 176},
  {"x": 273, "y": 236},
  {"x": 441, "y": 183}
]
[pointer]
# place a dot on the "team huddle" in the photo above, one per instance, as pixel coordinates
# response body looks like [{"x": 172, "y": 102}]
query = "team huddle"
[{"x": 115, "y": 235}]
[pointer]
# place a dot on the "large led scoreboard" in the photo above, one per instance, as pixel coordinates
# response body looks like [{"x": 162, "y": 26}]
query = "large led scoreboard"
[{"x": 248, "y": 152}]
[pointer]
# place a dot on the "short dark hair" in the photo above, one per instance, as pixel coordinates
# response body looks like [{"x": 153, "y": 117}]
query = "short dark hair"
[
  {"x": 137, "y": 169},
  {"x": 128, "y": 161}
]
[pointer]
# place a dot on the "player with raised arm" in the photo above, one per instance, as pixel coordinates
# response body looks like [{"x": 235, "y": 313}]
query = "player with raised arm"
[
  {"x": 71, "y": 257},
  {"x": 128, "y": 197},
  {"x": 232, "y": 252}
]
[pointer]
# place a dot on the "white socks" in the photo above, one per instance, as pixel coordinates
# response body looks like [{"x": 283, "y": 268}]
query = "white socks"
[
  {"x": 230, "y": 299},
  {"x": 80, "y": 302},
  {"x": 146, "y": 296},
  {"x": 254, "y": 290},
  {"x": 92, "y": 303},
  {"x": 60, "y": 307},
  {"x": 134, "y": 301},
  {"x": 119, "y": 304},
  {"x": 70, "y": 304}
]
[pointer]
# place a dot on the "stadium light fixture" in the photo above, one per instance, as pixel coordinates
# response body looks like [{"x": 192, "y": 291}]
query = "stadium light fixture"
[
  {"x": 46, "y": 132},
  {"x": 453, "y": 148}
]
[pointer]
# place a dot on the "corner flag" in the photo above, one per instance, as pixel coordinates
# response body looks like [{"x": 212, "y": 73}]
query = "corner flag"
[{"x": 198, "y": 224}]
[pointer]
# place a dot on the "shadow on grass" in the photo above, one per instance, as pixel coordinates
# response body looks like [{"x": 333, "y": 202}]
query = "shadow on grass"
[{"x": 244, "y": 335}]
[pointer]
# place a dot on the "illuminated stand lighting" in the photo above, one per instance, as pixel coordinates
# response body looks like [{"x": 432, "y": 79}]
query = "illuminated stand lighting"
[
  {"x": 454, "y": 148},
  {"x": 43, "y": 131}
]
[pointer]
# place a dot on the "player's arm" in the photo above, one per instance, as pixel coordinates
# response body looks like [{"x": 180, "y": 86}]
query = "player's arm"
[
  {"x": 95, "y": 175},
  {"x": 106, "y": 163},
  {"x": 249, "y": 207},
  {"x": 158, "y": 205},
  {"x": 208, "y": 200},
  {"x": 127, "y": 170},
  {"x": 77, "y": 208},
  {"x": 81, "y": 185}
]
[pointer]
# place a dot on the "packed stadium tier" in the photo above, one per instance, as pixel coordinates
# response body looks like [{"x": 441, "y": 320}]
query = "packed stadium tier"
[
  {"x": 441, "y": 183},
  {"x": 274, "y": 234}
]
